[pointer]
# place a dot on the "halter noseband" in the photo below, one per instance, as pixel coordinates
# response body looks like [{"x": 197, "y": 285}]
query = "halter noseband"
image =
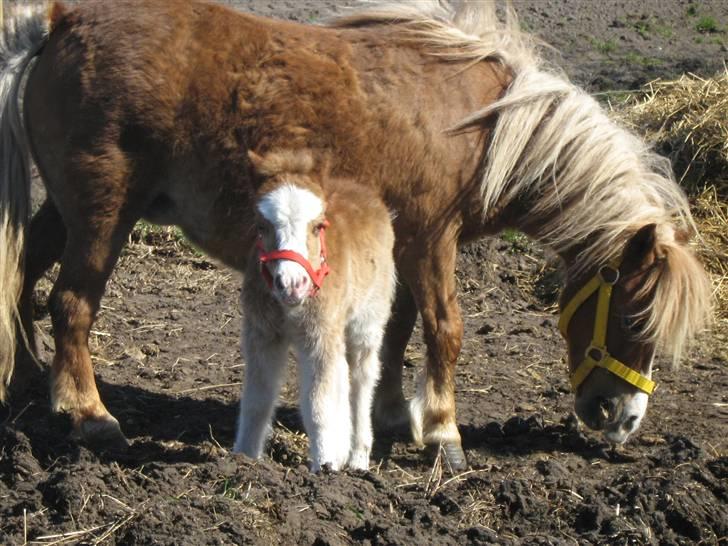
[
  {"x": 596, "y": 355},
  {"x": 316, "y": 276}
]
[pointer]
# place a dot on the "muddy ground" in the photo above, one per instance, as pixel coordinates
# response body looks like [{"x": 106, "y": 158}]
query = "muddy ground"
[{"x": 167, "y": 362}]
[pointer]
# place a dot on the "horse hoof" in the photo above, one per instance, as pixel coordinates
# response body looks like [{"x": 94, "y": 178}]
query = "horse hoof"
[
  {"x": 453, "y": 456},
  {"x": 102, "y": 434}
]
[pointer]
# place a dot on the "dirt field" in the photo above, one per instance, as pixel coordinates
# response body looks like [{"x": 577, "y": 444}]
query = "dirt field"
[{"x": 168, "y": 367}]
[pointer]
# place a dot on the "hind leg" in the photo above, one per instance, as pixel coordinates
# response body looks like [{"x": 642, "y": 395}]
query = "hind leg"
[
  {"x": 391, "y": 411},
  {"x": 88, "y": 260},
  {"x": 46, "y": 240},
  {"x": 92, "y": 190},
  {"x": 431, "y": 274}
]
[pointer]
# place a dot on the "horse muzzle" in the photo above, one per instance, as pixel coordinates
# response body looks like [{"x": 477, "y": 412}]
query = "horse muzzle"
[{"x": 617, "y": 417}]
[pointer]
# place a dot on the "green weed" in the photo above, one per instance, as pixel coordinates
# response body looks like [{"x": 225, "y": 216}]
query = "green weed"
[
  {"x": 604, "y": 46},
  {"x": 643, "y": 28},
  {"x": 707, "y": 24},
  {"x": 517, "y": 240},
  {"x": 664, "y": 31},
  {"x": 636, "y": 58}
]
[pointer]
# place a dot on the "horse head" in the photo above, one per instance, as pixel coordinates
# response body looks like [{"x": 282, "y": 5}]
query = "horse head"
[
  {"x": 291, "y": 224},
  {"x": 615, "y": 317}
]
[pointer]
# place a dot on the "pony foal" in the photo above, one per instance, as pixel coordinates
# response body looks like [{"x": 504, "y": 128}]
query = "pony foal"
[{"x": 327, "y": 292}]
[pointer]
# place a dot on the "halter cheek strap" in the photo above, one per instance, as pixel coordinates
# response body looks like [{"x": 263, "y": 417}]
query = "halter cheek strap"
[
  {"x": 596, "y": 355},
  {"x": 316, "y": 276}
]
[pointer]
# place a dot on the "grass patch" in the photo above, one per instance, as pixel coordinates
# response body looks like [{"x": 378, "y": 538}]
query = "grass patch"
[
  {"x": 692, "y": 11},
  {"x": 170, "y": 237},
  {"x": 604, "y": 46},
  {"x": 707, "y": 24},
  {"x": 664, "y": 30},
  {"x": 635, "y": 58},
  {"x": 519, "y": 242},
  {"x": 643, "y": 28}
]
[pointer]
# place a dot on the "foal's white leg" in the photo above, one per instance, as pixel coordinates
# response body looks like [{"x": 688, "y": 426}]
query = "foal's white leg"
[
  {"x": 324, "y": 377},
  {"x": 365, "y": 367},
  {"x": 265, "y": 360}
]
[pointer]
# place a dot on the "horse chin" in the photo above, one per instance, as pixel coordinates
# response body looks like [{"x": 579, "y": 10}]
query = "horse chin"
[{"x": 290, "y": 301}]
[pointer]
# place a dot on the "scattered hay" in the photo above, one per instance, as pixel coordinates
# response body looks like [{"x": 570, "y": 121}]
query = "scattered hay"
[
  {"x": 711, "y": 214},
  {"x": 687, "y": 118}
]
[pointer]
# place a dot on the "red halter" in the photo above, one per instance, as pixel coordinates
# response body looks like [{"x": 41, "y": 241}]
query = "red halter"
[{"x": 317, "y": 276}]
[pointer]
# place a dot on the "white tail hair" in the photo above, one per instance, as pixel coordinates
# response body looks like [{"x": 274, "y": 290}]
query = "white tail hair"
[{"x": 24, "y": 34}]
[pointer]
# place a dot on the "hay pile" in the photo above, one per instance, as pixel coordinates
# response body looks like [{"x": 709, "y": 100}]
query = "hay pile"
[{"x": 687, "y": 119}]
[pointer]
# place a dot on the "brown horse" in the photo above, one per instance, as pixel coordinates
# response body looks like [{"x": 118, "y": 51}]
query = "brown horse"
[{"x": 450, "y": 115}]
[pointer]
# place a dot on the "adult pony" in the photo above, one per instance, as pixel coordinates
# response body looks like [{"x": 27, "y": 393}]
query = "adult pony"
[{"x": 447, "y": 113}]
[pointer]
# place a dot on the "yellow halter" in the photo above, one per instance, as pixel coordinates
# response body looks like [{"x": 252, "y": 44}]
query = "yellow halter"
[{"x": 596, "y": 355}]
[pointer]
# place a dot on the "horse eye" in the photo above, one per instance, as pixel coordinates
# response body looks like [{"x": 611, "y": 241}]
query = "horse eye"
[{"x": 630, "y": 324}]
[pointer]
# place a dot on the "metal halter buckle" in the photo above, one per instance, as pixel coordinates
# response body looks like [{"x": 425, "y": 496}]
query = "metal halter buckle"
[
  {"x": 597, "y": 354},
  {"x": 612, "y": 274}
]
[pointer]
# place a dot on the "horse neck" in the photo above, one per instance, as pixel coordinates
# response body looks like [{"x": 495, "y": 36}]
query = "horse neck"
[{"x": 561, "y": 170}]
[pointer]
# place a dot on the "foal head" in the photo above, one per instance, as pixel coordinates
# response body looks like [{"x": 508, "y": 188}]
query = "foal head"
[
  {"x": 290, "y": 220},
  {"x": 614, "y": 317}
]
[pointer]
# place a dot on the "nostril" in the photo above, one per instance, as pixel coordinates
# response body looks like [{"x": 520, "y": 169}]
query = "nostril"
[
  {"x": 279, "y": 282},
  {"x": 603, "y": 409},
  {"x": 630, "y": 423}
]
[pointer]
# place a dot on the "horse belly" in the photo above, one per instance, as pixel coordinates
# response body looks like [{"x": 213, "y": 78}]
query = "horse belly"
[{"x": 216, "y": 218}]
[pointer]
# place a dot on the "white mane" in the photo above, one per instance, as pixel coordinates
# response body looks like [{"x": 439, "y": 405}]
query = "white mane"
[{"x": 590, "y": 182}]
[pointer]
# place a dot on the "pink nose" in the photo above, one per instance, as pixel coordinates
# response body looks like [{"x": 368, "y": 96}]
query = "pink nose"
[{"x": 293, "y": 289}]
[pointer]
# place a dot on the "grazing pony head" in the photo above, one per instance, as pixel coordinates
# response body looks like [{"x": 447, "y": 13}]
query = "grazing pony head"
[
  {"x": 615, "y": 317},
  {"x": 290, "y": 219}
]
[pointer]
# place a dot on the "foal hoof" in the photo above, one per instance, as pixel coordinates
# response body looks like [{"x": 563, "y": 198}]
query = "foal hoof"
[
  {"x": 102, "y": 434},
  {"x": 453, "y": 456}
]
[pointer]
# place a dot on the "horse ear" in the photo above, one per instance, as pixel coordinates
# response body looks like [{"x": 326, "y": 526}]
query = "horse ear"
[
  {"x": 641, "y": 249},
  {"x": 57, "y": 13},
  {"x": 282, "y": 161},
  {"x": 259, "y": 163},
  {"x": 682, "y": 236}
]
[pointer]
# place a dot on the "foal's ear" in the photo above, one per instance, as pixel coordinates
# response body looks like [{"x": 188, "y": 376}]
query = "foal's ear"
[
  {"x": 641, "y": 249},
  {"x": 259, "y": 163},
  {"x": 295, "y": 161}
]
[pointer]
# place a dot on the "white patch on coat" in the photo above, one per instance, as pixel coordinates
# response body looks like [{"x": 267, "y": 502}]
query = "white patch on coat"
[{"x": 633, "y": 410}]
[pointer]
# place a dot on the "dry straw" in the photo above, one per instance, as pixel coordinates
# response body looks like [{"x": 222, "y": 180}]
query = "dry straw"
[{"x": 687, "y": 119}]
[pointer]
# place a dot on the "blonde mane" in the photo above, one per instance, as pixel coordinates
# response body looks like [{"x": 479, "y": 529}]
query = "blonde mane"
[{"x": 590, "y": 182}]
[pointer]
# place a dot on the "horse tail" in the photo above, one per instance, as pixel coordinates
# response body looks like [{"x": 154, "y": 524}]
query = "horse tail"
[{"x": 23, "y": 36}]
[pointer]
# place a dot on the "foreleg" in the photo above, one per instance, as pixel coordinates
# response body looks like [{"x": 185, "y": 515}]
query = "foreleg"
[
  {"x": 265, "y": 357},
  {"x": 324, "y": 378}
]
